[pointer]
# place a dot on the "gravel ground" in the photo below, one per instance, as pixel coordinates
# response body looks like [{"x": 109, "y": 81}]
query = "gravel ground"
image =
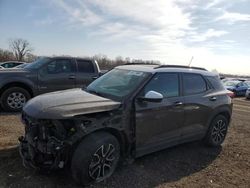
[{"x": 187, "y": 165}]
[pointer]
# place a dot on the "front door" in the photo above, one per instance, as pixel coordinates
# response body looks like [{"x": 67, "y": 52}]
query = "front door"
[
  {"x": 58, "y": 74},
  {"x": 158, "y": 123}
]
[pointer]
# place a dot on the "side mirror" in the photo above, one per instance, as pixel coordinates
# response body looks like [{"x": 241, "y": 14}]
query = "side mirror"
[{"x": 152, "y": 96}]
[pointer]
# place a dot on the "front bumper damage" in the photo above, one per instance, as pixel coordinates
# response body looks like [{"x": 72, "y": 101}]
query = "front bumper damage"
[{"x": 47, "y": 144}]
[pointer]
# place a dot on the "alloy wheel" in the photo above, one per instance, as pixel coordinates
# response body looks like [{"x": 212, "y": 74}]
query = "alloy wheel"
[
  {"x": 16, "y": 100},
  {"x": 219, "y": 131},
  {"x": 103, "y": 162}
]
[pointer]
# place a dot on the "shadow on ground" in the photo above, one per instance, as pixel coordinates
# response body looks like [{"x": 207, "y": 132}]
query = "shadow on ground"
[{"x": 161, "y": 167}]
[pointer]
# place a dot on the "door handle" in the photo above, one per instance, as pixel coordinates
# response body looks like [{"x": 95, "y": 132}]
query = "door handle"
[
  {"x": 178, "y": 103},
  {"x": 212, "y": 98},
  {"x": 71, "y": 77},
  {"x": 94, "y": 77}
]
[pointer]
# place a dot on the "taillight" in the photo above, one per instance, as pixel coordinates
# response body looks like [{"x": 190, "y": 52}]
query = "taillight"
[{"x": 231, "y": 94}]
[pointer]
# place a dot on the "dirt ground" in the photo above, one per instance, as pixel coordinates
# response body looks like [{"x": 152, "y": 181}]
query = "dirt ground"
[{"x": 187, "y": 165}]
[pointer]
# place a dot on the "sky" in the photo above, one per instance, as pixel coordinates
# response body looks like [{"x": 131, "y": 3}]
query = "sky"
[{"x": 215, "y": 32}]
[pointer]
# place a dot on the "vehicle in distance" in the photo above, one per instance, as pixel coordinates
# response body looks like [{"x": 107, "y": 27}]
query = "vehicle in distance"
[
  {"x": 10, "y": 64},
  {"x": 46, "y": 74},
  {"x": 238, "y": 87},
  {"x": 130, "y": 111},
  {"x": 248, "y": 90}
]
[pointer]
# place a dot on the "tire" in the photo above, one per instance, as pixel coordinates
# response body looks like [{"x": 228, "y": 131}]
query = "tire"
[
  {"x": 217, "y": 131},
  {"x": 96, "y": 152},
  {"x": 13, "y": 99}
]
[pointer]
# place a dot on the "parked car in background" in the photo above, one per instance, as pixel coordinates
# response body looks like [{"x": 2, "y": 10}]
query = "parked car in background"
[
  {"x": 131, "y": 111},
  {"x": 238, "y": 87},
  {"x": 11, "y": 64},
  {"x": 45, "y": 75},
  {"x": 248, "y": 90}
]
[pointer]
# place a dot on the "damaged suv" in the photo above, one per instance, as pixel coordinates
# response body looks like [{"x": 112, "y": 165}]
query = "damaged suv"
[{"x": 130, "y": 111}]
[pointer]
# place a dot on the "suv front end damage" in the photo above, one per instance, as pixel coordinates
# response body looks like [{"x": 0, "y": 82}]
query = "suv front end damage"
[{"x": 47, "y": 144}]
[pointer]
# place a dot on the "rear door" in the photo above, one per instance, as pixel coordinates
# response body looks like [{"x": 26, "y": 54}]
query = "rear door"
[
  {"x": 58, "y": 74},
  {"x": 197, "y": 106},
  {"x": 158, "y": 123},
  {"x": 86, "y": 72}
]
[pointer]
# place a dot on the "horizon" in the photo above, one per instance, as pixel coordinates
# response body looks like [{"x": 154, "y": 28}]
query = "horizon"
[{"x": 214, "y": 32}]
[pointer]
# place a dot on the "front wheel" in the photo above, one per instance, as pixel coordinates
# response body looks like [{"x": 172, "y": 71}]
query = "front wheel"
[
  {"x": 217, "y": 131},
  {"x": 95, "y": 158}
]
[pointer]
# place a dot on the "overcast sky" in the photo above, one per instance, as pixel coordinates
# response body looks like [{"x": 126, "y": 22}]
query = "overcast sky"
[{"x": 215, "y": 32}]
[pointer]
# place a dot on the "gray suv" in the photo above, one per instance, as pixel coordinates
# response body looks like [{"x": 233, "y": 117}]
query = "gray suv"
[
  {"x": 131, "y": 111},
  {"x": 45, "y": 75}
]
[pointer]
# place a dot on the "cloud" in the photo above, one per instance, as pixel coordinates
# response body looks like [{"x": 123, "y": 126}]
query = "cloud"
[
  {"x": 233, "y": 17},
  {"x": 79, "y": 13},
  {"x": 210, "y": 33},
  {"x": 167, "y": 30}
]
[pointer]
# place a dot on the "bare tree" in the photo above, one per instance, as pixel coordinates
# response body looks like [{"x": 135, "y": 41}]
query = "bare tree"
[
  {"x": 20, "y": 48},
  {"x": 6, "y": 55}
]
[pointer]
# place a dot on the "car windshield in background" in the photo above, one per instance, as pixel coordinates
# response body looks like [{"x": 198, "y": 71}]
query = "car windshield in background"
[
  {"x": 248, "y": 83},
  {"x": 231, "y": 83},
  {"x": 117, "y": 83},
  {"x": 38, "y": 63}
]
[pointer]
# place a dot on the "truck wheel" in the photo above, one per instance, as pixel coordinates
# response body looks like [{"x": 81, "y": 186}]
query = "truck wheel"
[
  {"x": 95, "y": 158},
  {"x": 217, "y": 131},
  {"x": 13, "y": 99}
]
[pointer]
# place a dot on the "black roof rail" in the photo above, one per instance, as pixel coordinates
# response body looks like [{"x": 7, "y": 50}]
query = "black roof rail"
[
  {"x": 141, "y": 64},
  {"x": 180, "y": 66}
]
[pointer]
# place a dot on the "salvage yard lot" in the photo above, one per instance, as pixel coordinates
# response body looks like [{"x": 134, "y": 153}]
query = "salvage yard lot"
[{"x": 187, "y": 165}]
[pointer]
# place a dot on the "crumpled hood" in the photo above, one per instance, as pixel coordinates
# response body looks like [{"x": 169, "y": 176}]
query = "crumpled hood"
[{"x": 66, "y": 104}]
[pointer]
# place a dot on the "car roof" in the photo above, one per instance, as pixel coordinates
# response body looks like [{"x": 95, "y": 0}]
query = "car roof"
[
  {"x": 69, "y": 57},
  {"x": 170, "y": 68},
  {"x": 11, "y": 62}
]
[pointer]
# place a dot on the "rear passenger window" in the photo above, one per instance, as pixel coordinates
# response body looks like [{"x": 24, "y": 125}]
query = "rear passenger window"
[
  {"x": 85, "y": 66},
  {"x": 193, "y": 84},
  {"x": 216, "y": 82},
  {"x": 165, "y": 83}
]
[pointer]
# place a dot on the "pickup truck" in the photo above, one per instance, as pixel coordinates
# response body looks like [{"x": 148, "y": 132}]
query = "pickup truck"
[{"x": 45, "y": 75}]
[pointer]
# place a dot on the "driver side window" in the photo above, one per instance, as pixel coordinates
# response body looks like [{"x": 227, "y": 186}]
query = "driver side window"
[
  {"x": 165, "y": 83},
  {"x": 58, "y": 66}
]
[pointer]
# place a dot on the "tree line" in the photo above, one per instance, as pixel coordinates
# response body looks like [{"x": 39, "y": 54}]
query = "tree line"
[{"x": 21, "y": 50}]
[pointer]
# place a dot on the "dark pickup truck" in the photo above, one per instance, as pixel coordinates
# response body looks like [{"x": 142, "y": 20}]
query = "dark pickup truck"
[{"x": 45, "y": 75}]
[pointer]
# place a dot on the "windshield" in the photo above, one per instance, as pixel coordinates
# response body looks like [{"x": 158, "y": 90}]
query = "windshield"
[
  {"x": 248, "y": 83},
  {"x": 117, "y": 83},
  {"x": 38, "y": 63},
  {"x": 231, "y": 83}
]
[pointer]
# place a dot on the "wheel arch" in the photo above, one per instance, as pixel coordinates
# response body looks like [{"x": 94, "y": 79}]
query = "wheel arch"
[
  {"x": 17, "y": 84},
  {"x": 225, "y": 111},
  {"x": 119, "y": 135}
]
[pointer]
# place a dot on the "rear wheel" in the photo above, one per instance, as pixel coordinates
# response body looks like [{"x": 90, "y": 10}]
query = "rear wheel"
[
  {"x": 95, "y": 158},
  {"x": 217, "y": 131},
  {"x": 13, "y": 99}
]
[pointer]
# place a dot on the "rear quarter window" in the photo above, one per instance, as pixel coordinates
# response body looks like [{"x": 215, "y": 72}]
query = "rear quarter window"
[
  {"x": 215, "y": 82},
  {"x": 85, "y": 66}
]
